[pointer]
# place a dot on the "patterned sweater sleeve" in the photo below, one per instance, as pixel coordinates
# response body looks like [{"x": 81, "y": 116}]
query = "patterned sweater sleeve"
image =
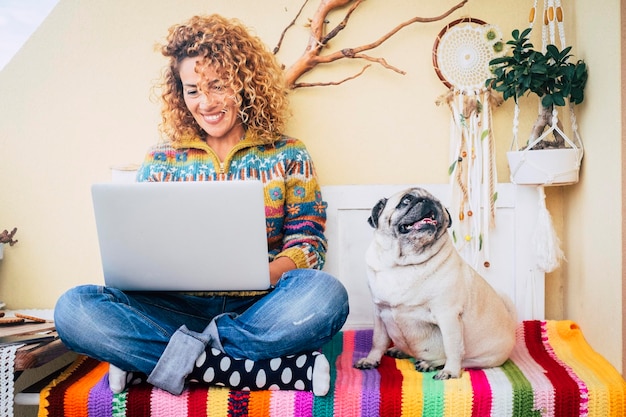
[{"x": 303, "y": 239}]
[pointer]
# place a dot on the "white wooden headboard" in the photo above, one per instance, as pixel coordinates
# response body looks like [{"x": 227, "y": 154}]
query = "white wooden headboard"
[{"x": 512, "y": 270}]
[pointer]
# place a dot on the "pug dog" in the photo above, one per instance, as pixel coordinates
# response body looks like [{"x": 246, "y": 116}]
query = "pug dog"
[{"x": 429, "y": 302}]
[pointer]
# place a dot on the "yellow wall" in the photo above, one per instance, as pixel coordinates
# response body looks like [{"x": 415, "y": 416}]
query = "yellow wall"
[
  {"x": 76, "y": 99},
  {"x": 592, "y": 209}
]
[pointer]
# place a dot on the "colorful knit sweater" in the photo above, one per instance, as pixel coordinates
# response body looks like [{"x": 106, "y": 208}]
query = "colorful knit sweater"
[{"x": 294, "y": 209}]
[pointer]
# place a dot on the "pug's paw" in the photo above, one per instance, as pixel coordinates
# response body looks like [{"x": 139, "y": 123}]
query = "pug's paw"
[
  {"x": 445, "y": 374},
  {"x": 366, "y": 364},
  {"x": 397, "y": 353},
  {"x": 425, "y": 366}
]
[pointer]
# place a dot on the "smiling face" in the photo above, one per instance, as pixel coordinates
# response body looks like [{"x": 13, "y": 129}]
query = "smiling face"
[{"x": 210, "y": 102}]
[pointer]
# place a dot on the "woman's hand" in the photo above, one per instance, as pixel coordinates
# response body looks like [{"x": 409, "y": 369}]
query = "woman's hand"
[{"x": 278, "y": 267}]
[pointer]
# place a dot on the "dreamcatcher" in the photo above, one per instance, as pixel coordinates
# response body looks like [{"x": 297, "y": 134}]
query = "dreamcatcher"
[{"x": 461, "y": 56}]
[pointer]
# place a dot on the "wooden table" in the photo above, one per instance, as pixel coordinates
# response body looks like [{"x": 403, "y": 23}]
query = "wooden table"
[{"x": 33, "y": 355}]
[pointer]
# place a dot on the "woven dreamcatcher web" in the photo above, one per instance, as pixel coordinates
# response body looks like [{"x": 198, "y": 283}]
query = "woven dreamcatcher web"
[
  {"x": 461, "y": 56},
  {"x": 462, "y": 52}
]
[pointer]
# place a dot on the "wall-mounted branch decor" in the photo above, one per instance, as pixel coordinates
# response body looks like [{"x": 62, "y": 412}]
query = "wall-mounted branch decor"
[
  {"x": 319, "y": 39},
  {"x": 7, "y": 237}
]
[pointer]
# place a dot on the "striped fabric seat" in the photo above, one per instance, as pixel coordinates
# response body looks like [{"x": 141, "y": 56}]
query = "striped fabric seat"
[{"x": 552, "y": 372}]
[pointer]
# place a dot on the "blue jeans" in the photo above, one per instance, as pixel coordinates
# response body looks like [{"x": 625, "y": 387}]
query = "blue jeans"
[{"x": 132, "y": 330}]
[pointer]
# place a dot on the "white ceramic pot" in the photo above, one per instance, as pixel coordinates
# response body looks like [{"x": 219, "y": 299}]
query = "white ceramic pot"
[{"x": 545, "y": 166}]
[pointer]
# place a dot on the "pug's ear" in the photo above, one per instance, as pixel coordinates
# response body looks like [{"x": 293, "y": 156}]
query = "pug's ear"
[
  {"x": 376, "y": 210},
  {"x": 449, "y": 218}
]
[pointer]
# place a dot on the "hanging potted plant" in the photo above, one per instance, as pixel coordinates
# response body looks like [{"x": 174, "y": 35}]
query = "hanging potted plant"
[
  {"x": 551, "y": 76},
  {"x": 7, "y": 237}
]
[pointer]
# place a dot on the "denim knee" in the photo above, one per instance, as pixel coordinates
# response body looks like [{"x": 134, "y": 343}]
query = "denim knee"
[
  {"x": 72, "y": 320},
  {"x": 337, "y": 295},
  {"x": 329, "y": 293},
  {"x": 337, "y": 301}
]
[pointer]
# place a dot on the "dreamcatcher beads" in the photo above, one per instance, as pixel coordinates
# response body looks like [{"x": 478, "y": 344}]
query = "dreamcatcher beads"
[{"x": 461, "y": 56}]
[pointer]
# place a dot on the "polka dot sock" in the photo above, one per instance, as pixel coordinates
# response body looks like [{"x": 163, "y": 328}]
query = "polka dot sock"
[
  {"x": 119, "y": 380},
  {"x": 303, "y": 372}
]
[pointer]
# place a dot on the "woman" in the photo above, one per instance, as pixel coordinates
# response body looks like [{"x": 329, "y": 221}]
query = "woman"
[{"x": 223, "y": 113}]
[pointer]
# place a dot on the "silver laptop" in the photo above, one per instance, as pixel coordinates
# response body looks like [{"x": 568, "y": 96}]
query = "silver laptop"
[{"x": 182, "y": 236}]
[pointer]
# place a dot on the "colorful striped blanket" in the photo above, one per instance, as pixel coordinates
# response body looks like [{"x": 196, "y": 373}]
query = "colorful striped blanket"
[{"x": 552, "y": 372}]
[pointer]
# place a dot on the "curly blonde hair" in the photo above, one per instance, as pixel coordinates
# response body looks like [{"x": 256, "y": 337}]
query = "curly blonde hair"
[{"x": 244, "y": 64}]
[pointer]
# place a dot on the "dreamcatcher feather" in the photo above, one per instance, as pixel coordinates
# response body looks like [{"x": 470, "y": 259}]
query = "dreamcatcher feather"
[{"x": 461, "y": 56}]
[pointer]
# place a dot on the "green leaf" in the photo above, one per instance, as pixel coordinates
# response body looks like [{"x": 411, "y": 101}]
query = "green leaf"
[
  {"x": 451, "y": 168},
  {"x": 539, "y": 68},
  {"x": 558, "y": 100},
  {"x": 462, "y": 120},
  {"x": 549, "y": 75},
  {"x": 546, "y": 101},
  {"x": 552, "y": 51},
  {"x": 500, "y": 60}
]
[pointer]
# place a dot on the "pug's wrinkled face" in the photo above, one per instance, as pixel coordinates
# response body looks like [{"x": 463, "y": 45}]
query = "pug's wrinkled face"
[{"x": 413, "y": 216}]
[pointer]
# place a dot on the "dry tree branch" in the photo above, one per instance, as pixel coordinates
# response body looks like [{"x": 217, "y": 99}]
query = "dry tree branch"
[
  {"x": 7, "y": 237},
  {"x": 298, "y": 85},
  {"x": 317, "y": 41},
  {"x": 293, "y": 22},
  {"x": 342, "y": 25},
  {"x": 381, "y": 61},
  {"x": 318, "y": 23},
  {"x": 307, "y": 61}
]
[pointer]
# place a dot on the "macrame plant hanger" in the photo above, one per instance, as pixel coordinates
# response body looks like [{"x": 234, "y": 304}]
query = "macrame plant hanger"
[
  {"x": 545, "y": 239},
  {"x": 461, "y": 56},
  {"x": 552, "y": 23}
]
